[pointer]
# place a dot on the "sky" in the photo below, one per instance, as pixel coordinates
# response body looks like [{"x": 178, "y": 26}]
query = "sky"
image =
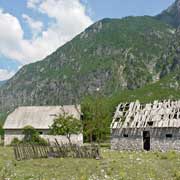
[{"x": 32, "y": 29}]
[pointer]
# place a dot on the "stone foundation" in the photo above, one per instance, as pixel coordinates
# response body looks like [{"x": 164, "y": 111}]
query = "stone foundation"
[
  {"x": 132, "y": 139},
  {"x": 126, "y": 144}
]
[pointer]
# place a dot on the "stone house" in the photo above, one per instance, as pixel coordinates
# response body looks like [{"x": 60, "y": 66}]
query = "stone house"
[
  {"x": 153, "y": 126},
  {"x": 41, "y": 118}
]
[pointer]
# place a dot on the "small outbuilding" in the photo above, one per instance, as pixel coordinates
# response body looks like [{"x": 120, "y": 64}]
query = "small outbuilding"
[
  {"x": 41, "y": 118},
  {"x": 152, "y": 126}
]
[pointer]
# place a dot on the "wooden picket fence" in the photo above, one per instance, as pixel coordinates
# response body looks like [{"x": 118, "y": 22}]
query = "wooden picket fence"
[{"x": 32, "y": 151}]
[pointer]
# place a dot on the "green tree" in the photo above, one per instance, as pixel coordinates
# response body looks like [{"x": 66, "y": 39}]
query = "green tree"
[
  {"x": 88, "y": 123},
  {"x": 97, "y": 118},
  {"x": 66, "y": 125},
  {"x": 1, "y": 131},
  {"x": 3, "y": 117},
  {"x": 31, "y": 135}
]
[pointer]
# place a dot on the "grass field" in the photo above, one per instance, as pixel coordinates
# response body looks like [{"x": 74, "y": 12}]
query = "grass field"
[{"x": 114, "y": 165}]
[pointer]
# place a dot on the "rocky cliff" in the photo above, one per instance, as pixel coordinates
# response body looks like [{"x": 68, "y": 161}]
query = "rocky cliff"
[{"x": 171, "y": 15}]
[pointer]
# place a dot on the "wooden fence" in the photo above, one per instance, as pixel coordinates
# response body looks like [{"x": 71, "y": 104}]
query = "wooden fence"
[{"x": 32, "y": 151}]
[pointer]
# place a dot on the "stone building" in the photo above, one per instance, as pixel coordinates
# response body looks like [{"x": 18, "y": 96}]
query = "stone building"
[
  {"x": 153, "y": 126},
  {"x": 41, "y": 118}
]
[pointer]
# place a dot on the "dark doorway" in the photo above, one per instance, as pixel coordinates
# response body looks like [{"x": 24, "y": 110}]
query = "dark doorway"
[{"x": 146, "y": 140}]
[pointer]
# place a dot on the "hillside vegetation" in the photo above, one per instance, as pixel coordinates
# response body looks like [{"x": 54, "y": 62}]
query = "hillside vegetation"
[{"x": 113, "y": 55}]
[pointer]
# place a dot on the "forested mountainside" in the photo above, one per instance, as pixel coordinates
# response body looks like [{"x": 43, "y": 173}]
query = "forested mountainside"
[{"x": 113, "y": 55}]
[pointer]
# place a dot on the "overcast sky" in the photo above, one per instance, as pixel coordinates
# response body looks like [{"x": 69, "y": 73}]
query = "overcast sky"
[{"x": 32, "y": 29}]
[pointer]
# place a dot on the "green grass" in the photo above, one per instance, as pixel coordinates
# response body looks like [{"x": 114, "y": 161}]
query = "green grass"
[{"x": 114, "y": 165}]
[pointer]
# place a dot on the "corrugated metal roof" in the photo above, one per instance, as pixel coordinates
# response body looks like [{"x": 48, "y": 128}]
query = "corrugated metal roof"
[
  {"x": 40, "y": 117},
  {"x": 156, "y": 114}
]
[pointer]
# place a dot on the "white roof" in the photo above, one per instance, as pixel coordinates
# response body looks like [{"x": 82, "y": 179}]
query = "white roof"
[
  {"x": 39, "y": 117},
  {"x": 156, "y": 114}
]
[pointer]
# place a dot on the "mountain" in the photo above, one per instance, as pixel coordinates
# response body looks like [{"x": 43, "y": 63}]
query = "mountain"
[
  {"x": 171, "y": 15},
  {"x": 170, "y": 61},
  {"x": 112, "y": 54},
  {"x": 166, "y": 88}
]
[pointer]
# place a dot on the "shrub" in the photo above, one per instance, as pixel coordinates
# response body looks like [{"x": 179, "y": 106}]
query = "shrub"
[
  {"x": 31, "y": 135},
  {"x": 15, "y": 141},
  {"x": 41, "y": 141}
]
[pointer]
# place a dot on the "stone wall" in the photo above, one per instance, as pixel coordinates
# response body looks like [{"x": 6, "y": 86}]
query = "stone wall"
[
  {"x": 164, "y": 144},
  {"x": 126, "y": 143},
  {"x": 11, "y": 134},
  {"x": 132, "y": 139}
]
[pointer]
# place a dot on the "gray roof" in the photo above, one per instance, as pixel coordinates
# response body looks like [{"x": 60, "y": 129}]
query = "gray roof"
[
  {"x": 40, "y": 117},
  {"x": 157, "y": 114}
]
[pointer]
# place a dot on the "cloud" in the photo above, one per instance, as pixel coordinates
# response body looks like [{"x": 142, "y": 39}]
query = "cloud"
[
  {"x": 5, "y": 74},
  {"x": 36, "y": 26},
  {"x": 11, "y": 37},
  {"x": 89, "y": 10},
  {"x": 69, "y": 19},
  {"x": 33, "y": 3}
]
